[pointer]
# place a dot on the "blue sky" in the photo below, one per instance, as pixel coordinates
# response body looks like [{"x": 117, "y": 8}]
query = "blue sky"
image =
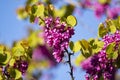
[{"x": 12, "y": 29}]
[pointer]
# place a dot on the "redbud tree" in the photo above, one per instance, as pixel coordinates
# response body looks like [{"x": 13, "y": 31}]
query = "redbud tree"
[{"x": 51, "y": 44}]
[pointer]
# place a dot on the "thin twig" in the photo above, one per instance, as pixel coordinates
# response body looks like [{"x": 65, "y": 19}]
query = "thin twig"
[{"x": 70, "y": 65}]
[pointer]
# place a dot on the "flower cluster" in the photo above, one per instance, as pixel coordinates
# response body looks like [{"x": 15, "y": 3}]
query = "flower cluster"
[
  {"x": 99, "y": 64},
  {"x": 102, "y": 8},
  {"x": 21, "y": 66},
  {"x": 57, "y": 35}
]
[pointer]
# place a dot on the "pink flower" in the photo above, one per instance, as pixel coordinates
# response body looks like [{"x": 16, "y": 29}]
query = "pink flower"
[
  {"x": 86, "y": 64},
  {"x": 100, "y": 9},
  {"x": 113, "y": 13}
]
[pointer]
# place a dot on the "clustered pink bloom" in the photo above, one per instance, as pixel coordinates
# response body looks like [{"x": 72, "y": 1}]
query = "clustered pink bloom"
[
  {"x": 57, "y": 35},
  {"x": 99, "y": 65},
  {"x": 113, "y": 13},
  {"x": 101, "y": 9},
  {"x": 85, "y": 3}
]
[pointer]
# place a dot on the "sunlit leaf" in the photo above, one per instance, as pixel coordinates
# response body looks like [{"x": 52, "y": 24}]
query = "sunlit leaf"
[
  {"x": 75, "y": 47},
  {"x": 96, "y": 45},
  {"x": 12, "y": 61},
  {"x": 64, "y": 11},
  {"x": 79, "y": 59},
  {"x": 34, "y": 39},
  {"x": 110, "y": 51},
  {"x": 40, "y": 10},
  {"x": 102, "y": 30},
  {"x": 84, "y": 44},
  {"x": 71, "y": 20},
  {"x": 18, "y": 50},
  {"x": 15, "y": 73},
  {"x": 22, "y": 14}
]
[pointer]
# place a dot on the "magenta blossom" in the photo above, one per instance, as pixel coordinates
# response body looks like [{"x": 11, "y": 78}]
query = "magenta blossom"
[
  {"x": 113, "y": 13},
  {"x": 86, "y": 3},
  {"x": 57, "y": 35},
  {"x": 100, "y": 9},
  {"x": 99, "y": 65}
]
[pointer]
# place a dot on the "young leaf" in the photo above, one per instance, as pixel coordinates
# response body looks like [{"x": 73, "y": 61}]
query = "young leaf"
[
  {"x": 71, "y": 20},
  {"x": 71, "y": 45},
  {"x": 75, "y": 47},
  {"x": 102, "y": 30},
  {"x": 84, "y": 44},
  {"x": 12, "y": 61},
  {"x": 18, "y": 51},
  {"x": 110, "y": 51},
  {"x": 15, "y": 73},
  {"x": 79, "y": 59},
  {"x": 40, "y": 10},
  {"x": 112, "y": 29}
]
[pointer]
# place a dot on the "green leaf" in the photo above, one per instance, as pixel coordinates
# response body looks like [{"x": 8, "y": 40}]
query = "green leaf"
[
  {"x": 33, "y": 9},
  {"x": 40, "y": 10},
  {"x": 12, "y": 61},
  {"x": 18, "y": 50},
  {"x": 84, "y": 44},
  {"x": 111, "y": 53},
  {"x": 15, "y": 73},
  {"x": 115, "y": 55},
  {"x": 32, "y": 18},
  {"x": 4, "y": 57},
  {"x": 22, "y": 14},
  {"x": 64, "y": 11},
  {"x": 60, "y": 12},
  {"x": 71, "y": 45},
  {"x": 102, "y": 30},
  {"x": 110, "y": 48},
  {"x": 34, "y": 39},
  {"x": 85, "y": 48},
  {"x": 71, "y": 20},
  {"x": 75, "y": 47},
  {"x": 112, "y": 29},
  {"x": 96, "y": 45},
  {"x": 2, "y": 48},
  {"x": 79, "y": 59}
]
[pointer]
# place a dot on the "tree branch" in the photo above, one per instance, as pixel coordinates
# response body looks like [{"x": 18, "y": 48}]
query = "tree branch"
[{"x": 70, "y": 64}]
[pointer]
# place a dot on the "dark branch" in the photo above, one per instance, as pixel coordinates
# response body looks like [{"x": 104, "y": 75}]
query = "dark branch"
[{"x": 70, "y": 65}]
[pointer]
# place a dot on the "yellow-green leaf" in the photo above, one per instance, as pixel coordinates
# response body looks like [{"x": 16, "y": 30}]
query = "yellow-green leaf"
[
  {"x": 18, "y": 74},
  {"x": 79, "y": 59},
  {"x": 71, "y": 45},
  {"x": 84, "y": 44},
  {"x": 71, "y": 20},
  {"x": 15, "y": 73},
  {"x": 102, "y": 30},
  {"x": 12, "y": 61},
  {"x": 112, "y": 29},
  {"x": 40, "y": 10},
  {"x": 77, "y": 46}
]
